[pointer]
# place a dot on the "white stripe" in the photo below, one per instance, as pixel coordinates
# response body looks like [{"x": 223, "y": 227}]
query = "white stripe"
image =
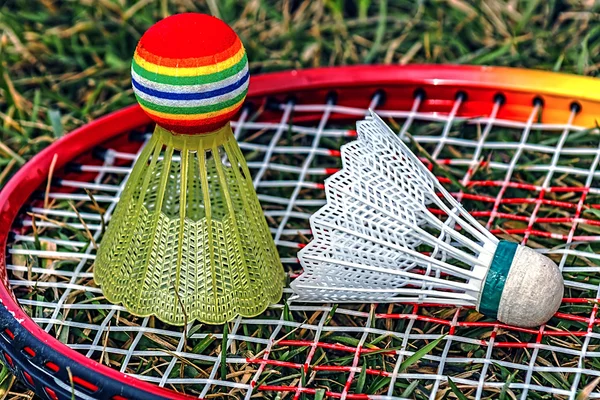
[
  {"x": 192, "y": 103},
  {"x": 163, "y": 87}
]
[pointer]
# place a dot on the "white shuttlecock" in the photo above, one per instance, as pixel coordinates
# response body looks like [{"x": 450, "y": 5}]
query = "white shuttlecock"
[{"x": 377, "y": 240}]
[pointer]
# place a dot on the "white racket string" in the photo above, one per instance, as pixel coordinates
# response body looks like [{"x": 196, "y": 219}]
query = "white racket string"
[{"x": 289, "y": 162}]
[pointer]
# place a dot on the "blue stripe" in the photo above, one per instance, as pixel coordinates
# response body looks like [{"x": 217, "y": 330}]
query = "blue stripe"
[{"x": 191, "y": 96}]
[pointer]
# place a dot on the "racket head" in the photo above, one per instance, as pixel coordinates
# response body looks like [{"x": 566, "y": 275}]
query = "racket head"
[{"x": 324, "y": 104}]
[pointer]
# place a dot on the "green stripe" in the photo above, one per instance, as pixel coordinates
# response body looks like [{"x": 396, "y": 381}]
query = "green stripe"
[
  {"x": 496, "y": 278},
  {"x": 192, "y": 110},
  {"x": 190, "y": 80}
]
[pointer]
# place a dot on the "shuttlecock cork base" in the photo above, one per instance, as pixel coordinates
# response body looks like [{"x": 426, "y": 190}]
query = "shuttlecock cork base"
[
  {"x": 522, "y": 287},
  {"x": 188, "y": 240},
  {"x": 390, "y": 232}
]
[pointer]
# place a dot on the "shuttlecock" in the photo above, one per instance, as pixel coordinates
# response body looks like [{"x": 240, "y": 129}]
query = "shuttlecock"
[
  {"x": 188, "y": 239},
  {"x": 378, "y": 240}
]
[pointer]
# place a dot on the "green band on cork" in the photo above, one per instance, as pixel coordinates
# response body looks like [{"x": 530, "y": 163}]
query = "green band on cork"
[{"x": 496, "y": 278}]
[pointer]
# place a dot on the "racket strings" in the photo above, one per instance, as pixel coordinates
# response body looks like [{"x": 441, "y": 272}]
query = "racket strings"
[{"x": 511, "y": 175}]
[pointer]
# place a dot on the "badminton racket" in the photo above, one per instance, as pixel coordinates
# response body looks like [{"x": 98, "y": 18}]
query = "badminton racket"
[{"x": 519, "y": 148}]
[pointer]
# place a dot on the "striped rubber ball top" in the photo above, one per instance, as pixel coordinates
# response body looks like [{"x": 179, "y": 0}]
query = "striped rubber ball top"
[{"x": 190, "y": 73}]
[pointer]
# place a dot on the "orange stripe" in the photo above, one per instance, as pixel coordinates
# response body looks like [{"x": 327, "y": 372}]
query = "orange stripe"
[
  {"x": 193, "y": 122},
  {"x": 190, "y": 62},
  {"x": 193, "y": 126}
]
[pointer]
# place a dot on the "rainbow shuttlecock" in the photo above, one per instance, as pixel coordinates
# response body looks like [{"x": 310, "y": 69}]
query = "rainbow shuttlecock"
[{"x": 188, "y": 239}]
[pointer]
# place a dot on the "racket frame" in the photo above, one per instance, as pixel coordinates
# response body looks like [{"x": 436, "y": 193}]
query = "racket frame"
[{"x": 52, "y": 369}]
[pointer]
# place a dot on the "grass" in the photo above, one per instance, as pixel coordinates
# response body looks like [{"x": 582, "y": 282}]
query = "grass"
[{"x": 63, "y": 64}]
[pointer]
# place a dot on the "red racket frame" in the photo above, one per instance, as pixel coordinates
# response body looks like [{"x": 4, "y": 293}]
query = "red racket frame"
[{"x": 440, "y": 85}]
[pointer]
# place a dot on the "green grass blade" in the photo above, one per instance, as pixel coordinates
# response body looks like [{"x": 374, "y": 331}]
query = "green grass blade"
[
  {"x": 420, "y": 353},
  {"x": 456, "y": 390}
]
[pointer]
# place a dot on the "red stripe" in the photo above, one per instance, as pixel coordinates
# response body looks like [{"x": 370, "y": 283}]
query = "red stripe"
[
  {"x": 194, "y": 126},
  {"x": 577, "y": 300},
  {"x": 349, "y": 396},
  {"x": 85, "y": 384},
  {"x": 525, "y": 218},
  {"x": 188, "y": 35},
  {"x": 343, "y": 368},
  {"x": 330, "y": 346},
  {"x": 51, "y": 393},
  {"x": 189, "y": 62}
]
